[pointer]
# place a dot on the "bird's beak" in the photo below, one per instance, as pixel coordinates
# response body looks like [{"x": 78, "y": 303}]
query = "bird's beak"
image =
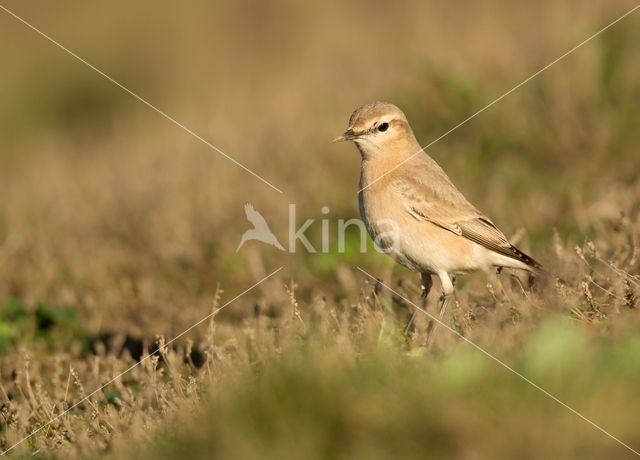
[{"x": 348, "y": 135}]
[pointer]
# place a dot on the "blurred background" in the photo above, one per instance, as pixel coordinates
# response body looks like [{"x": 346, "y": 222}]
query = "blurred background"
[{"x": 112, "y": 218}]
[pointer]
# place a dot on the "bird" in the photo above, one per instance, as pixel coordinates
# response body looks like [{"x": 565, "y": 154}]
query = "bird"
[
  {"x": 414, "y": 212},
  {"x": 261, "y": 230}
]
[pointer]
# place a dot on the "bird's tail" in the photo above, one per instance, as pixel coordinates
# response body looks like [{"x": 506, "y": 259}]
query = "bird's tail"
[
  {"x": 528, "y": 260},
  {"x": 537, "y": 270}
]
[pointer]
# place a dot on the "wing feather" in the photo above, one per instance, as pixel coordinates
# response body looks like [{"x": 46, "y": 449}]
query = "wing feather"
[{"x": 438, "y": 201}]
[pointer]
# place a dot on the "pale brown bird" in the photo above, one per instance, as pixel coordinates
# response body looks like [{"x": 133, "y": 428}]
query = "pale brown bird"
[{"x": 413, "y": 211}]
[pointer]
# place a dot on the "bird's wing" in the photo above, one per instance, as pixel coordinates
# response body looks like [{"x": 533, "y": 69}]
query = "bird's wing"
[
  {"x": 482, "y": 231},
  {"x": 430, "y": 196},
  {"x": 254, "y": 216},
  {"x": 435, "y": 199}
]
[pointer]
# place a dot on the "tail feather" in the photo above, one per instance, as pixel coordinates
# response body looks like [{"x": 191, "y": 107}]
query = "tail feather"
[
  {"x": 536, "y": 267},
  {"x": 527, "y": 259}
]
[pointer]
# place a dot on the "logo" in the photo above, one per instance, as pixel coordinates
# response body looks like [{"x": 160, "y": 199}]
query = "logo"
[
  {"x": 386, "y": 240},
  {"x": 260, "y": 230}
]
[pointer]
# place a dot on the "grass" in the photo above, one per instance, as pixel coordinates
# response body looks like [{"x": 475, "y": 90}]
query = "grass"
[
  {"x": 319, "y": 403},
  {"x": 118, "y": 231}
]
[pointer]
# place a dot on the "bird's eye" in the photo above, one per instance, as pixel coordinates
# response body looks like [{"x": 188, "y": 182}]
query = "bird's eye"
[{"x": 382, "y": 127}]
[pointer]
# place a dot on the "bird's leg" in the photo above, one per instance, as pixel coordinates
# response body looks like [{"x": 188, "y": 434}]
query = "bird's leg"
[
  {"x": 426, "y": 282},
  {"x": 433, "y": 324},
  {"x": 447, "y": 293}
]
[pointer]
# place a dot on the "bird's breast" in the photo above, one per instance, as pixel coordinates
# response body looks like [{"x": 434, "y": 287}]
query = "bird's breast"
[{"x": 414, "y": 243}]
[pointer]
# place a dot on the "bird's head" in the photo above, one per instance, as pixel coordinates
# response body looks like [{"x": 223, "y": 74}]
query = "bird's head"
[{"x": 377, "y": 128}]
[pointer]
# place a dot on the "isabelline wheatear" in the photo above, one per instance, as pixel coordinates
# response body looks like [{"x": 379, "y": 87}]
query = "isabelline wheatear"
[{"x": 415, "y": 213}]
